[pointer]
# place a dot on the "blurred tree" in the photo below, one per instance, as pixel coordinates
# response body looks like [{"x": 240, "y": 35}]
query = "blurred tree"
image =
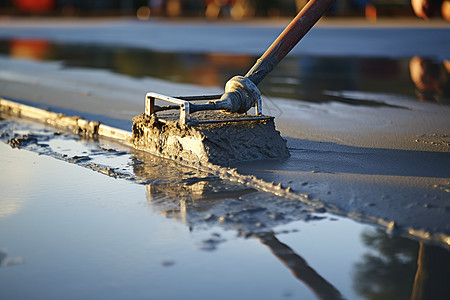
[
  {"x": 402, "y": 269},
  {"x": 388, "y": 272}
]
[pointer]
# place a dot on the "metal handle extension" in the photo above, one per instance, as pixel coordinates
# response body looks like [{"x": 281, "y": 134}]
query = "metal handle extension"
[{"x": 186, "y": 107}]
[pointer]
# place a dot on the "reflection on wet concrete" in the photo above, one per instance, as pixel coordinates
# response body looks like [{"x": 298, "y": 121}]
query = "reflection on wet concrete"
[
  {"x": 7, "y": 261},
  {"x": 387, "y": 271},
  {"x": 29, "y": 49},
  {"x": 429, "y": 78},
  {"x": 203, "y": 200},
  {"x": 300, "y": 268},
  {"x": 433, "y": 272},
  {"x": 401, "y": 269},
  {"x": 310, "y": 78},
  {"x": 394, "y": 268},
  {"x": 193, "y": 197}
]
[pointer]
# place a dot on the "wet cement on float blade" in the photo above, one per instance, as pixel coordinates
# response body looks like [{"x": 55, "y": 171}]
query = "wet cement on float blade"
[{"x": 217, "y": 143}]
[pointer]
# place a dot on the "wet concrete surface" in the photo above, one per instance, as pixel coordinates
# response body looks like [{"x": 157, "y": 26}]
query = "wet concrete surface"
[
  {"x": 368, "y": 140},
  {"x": 206, "y": 236},
  {"x": 413, "y": 198},
  {"x": 256, "y": 211}
]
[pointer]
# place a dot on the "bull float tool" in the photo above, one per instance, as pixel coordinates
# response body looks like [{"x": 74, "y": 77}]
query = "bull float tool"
[{"x": 220, "y": 130}]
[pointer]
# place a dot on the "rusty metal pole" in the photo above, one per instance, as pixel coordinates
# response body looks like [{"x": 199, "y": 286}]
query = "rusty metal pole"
[{"x": 291, "y": 35}]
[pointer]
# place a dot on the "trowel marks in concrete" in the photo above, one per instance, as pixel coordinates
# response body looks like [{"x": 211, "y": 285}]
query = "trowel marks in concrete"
[{"x": 214, "y": 142}]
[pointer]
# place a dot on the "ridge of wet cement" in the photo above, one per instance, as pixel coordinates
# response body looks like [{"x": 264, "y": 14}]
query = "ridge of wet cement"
[
  {"x": 249, "y": 181},
  {"x": 217, "y": 143}
]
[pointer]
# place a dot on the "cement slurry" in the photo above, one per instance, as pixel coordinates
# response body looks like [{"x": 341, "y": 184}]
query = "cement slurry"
[{"x": 217, "y": 143}]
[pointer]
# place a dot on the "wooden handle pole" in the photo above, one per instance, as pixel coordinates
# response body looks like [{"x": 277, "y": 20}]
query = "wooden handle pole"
[{"x": 291, "y": 35}]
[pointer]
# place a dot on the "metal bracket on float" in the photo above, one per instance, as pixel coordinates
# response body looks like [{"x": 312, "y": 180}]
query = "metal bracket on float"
[{"x": 187, "y": 108}]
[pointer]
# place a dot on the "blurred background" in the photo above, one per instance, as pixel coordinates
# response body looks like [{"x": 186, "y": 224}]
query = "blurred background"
[
  {"x": 214, "y": 9},
  {"x": 306, "y": 76}
]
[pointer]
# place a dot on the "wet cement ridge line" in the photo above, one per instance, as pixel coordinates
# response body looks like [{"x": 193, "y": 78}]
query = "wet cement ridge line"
[
  {"x": 73, "y": 123},
  {"x": 94, "y": 129}
]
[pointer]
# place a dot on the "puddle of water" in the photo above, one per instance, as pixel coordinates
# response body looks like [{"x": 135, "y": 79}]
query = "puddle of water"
[
  {"x": 68, "y": 232},
  {"x": 310, "y": 78}
]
